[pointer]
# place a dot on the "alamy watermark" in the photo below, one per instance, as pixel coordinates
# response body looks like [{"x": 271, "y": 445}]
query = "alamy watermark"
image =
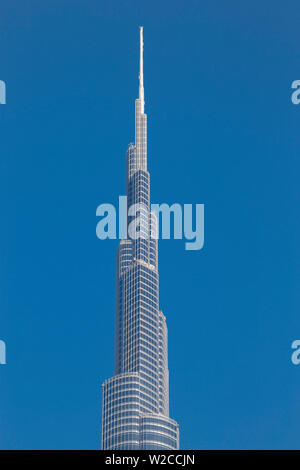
[
  {"x": 295, "y": 97},
  {"x": 2, "y": 92},
  {"x": 2, "y": 352},
  {"x": 296, "y": 354},
  {"x": 137, "y": 221}
]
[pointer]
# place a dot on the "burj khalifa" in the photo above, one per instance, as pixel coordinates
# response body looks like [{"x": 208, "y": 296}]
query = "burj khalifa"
[{"x": 135, "y": 401}]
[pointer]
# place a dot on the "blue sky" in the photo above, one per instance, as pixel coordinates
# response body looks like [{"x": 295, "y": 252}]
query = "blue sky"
[{"x": 222, "y": 131}]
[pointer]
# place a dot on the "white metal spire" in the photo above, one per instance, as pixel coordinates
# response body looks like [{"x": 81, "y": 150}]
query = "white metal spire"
[
  {"x": 140, "y": 116},
  {"x": 141, "y": 76}
]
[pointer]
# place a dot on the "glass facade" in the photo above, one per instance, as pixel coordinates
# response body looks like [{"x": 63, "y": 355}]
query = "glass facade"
[{"x": 135, "y": 401}]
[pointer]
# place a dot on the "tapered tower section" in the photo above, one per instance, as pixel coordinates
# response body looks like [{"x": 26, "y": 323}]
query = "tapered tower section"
[{"x": 135, "y": 401}]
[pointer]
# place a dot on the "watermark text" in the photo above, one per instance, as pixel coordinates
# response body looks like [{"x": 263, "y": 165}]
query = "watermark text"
[
  {"x": 160, "y": 221},
  {"x": 2, "y": 352},
  {"x": 2, "y": 92}
]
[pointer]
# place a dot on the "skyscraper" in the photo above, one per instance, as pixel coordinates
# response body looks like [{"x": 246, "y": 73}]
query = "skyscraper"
[{"x": 135, "y": 401}]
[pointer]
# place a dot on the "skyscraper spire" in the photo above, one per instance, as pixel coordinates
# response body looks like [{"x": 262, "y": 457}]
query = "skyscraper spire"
[
  {"x": 141, "y": 76},
  {"x": 135, "y": 403},
  {"x": 140, "y": 116}
]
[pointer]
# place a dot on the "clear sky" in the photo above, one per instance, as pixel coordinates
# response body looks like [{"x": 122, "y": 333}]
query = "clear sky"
[{"x": 222, "y": 131}]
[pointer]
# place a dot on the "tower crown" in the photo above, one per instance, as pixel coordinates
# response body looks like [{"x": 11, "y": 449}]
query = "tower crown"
[{"x": 141, "y": 75}]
